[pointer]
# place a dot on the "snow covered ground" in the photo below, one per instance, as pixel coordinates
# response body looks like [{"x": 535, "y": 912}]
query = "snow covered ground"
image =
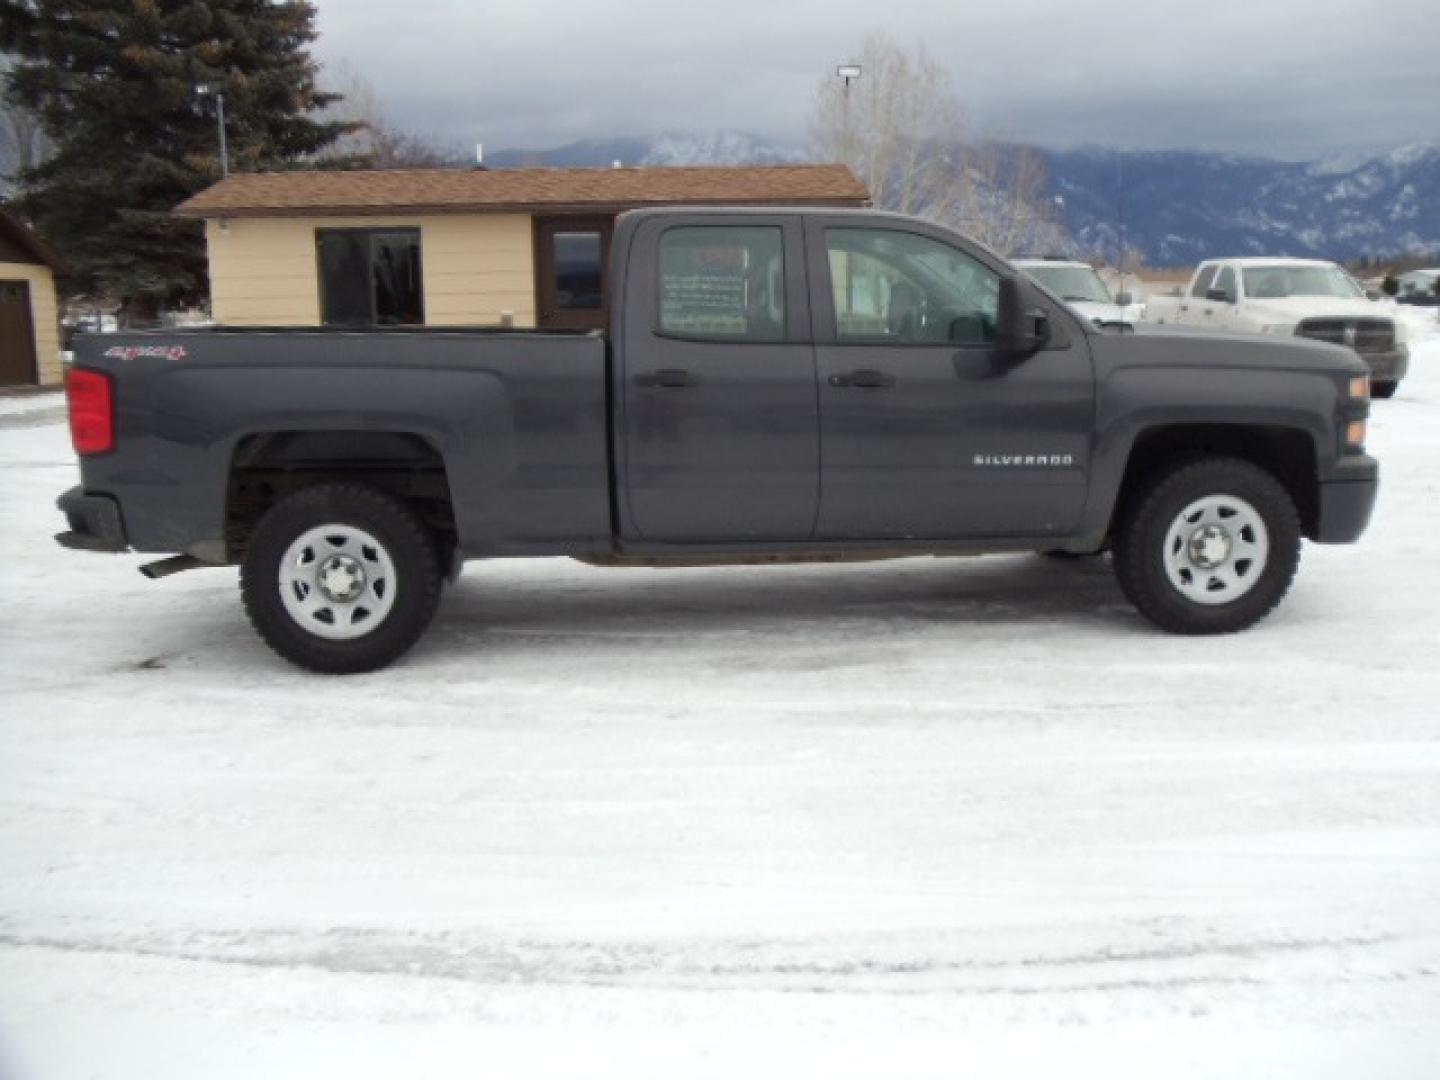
[{"x": 932, "y": 817}]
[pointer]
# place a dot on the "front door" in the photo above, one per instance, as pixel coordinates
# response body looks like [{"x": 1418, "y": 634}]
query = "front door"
[
  {"x": 572, "y": 255},
  {"x": 925, "y": 432},
  {"x": 17, "y": 336},
  {"x": 720, "y": 425}
]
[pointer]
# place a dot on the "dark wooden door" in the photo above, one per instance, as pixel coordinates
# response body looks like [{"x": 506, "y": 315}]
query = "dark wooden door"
[
  {"x": 17, "y": 336},
  {"x": 572, "y": 256}
]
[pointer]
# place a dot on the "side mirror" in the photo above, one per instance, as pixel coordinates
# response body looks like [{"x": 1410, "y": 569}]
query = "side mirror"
[
  {"x": 1219, "y": 294},
  {"x": 1022, "y": 327},
  {"x": 1124, "y": 299},
  {"x": 1374, "y": 294}
]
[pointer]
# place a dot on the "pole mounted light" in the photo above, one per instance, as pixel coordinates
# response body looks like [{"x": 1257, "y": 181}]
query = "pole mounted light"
[
  {"x": 848, "y": 72},
  {"x": 205, "y": 90}
]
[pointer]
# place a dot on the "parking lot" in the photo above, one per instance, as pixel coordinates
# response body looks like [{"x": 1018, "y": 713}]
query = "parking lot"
[{"x": 948, "y": 817}]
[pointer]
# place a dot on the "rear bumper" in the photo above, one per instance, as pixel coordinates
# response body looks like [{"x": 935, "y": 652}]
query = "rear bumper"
[
  {"x": 1388, "y": 366},
  {"x": 94, "y": 521},
  {"x": 1347, "y": 500}
]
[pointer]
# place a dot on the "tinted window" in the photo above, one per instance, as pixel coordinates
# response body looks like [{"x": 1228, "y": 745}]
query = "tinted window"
[
  {"x": 577, "y": 271},
  {"x": 908, "y": 289},
  {"x": 1202, "y": 281},
  {"x": 370, "y": 277},
  {"x": 723, "y": 282}
]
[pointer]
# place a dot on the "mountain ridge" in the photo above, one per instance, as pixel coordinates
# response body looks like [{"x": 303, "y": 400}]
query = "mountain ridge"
[{"x": 1177, "y": 206}]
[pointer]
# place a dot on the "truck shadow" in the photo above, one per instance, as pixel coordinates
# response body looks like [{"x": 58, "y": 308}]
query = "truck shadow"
[{"x": 664, "y": 606}]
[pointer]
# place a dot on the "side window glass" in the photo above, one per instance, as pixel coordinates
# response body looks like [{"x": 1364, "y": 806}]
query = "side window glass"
[
  {"x": 723, "y": 283},
  {"x": 904, "y": 289},
  {"x": 1226, "y": 281},
  {"x": 1202, "y": 282}
]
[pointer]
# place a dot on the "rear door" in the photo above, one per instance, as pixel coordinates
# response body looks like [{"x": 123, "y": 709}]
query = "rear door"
[
  {"x": 720, "y": 424},
  {"x": 926, "y": 433}
]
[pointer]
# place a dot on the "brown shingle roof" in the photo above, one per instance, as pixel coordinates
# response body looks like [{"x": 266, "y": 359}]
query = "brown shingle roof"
[{"x": 488, "y": 191}]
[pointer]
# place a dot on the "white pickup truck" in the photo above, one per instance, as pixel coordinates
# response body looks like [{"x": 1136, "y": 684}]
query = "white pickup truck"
[{"x": 1304, "y": 297}]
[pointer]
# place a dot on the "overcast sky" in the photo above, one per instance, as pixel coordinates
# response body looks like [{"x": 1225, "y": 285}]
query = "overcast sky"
[{"x": 1283, "y": 78}]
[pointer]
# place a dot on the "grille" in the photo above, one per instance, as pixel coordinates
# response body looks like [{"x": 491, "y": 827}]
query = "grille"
[{"x": 1362, "y": 335}]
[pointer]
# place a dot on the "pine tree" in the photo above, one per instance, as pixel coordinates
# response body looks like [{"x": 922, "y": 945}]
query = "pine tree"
[{"x": 115, "y": 84}]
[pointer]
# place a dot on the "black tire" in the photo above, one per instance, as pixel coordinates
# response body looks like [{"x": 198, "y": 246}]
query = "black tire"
[
  {"x": 1383, "y": 389},
  {"x": 411, "y": 578},
  {"x": 1149, "y": 529}
]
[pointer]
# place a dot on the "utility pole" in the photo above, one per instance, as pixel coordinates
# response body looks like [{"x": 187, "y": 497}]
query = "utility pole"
[{"x": 1120, "y": 214}]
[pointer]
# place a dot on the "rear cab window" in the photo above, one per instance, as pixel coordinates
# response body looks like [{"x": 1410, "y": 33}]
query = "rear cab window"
[{"x": 723, "y": 283}]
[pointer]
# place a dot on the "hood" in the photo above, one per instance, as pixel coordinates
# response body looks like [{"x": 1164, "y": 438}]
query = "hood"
[
  {"x": 1148, "y": 344},
  {"x": 1294, "y": 308},
  {"x": 1093, "y": 312}
]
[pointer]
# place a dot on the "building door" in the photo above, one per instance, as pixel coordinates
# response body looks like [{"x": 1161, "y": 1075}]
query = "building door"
[
  {"x": 572, "y": 255},
  {"x": 17, "y": 336}
]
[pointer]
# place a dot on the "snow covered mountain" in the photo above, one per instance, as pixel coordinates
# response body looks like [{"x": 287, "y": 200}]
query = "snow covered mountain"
[
  {"x": 1178, "y": 206},
  {"x": 1181, "y": 206}
]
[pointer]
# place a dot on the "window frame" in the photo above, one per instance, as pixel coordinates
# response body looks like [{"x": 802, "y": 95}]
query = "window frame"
[
  {"x": 371, "y": 232},
  {"x": 788, "y": 331}
]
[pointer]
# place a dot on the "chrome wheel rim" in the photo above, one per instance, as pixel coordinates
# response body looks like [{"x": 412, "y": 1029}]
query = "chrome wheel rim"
[
  {"x": 337, "y": 582},
  {"x": 1216, "y": 550}
]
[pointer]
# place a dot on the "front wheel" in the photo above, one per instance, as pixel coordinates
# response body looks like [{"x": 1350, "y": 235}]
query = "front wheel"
[
  {"x": 340, "y": 578},
  {"x": 1208, "y": 548}
]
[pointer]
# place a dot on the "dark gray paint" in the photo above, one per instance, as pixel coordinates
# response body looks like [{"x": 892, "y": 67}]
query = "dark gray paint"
[{"x": 551, "y": 447}]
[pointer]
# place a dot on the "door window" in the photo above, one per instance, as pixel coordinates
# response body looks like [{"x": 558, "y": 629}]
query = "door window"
[
  {"x": 902, "y": 288},
  {"x": 578, "y": 271},
  {"x": 723, "y": 283},
  {"x": 1226, "y": 282}
]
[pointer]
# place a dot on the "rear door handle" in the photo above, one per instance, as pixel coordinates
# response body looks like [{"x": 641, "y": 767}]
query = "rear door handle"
[
  {"x": 670, "y": 378},
  {"x": 865, "y": 379}
]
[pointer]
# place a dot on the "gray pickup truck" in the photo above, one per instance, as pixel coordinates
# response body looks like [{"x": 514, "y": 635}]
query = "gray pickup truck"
[{"x": 775, "y": 384}]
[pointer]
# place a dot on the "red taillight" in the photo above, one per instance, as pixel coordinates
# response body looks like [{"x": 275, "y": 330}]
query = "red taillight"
[{"x": 92, "y": 411}]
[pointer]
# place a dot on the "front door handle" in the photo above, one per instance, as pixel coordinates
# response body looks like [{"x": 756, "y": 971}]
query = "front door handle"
[
  {"x": 865, "y": 379},
  {"x": 670, "y": 378}
]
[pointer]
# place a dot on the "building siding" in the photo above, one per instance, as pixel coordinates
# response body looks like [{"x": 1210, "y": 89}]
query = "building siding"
[
  {"x": 475, "y": 268},
  {"x": 43, "y": 316}
]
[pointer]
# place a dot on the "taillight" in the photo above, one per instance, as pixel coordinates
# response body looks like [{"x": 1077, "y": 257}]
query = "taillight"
[{"x": 92, "y": 411}]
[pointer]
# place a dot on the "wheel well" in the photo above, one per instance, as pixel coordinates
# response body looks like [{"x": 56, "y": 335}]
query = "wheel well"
[
  {"x": 1287, "y": 453},
  {"x": 268, "y": 466}
]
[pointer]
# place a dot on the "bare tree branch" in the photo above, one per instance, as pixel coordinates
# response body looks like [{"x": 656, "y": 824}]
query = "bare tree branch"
[{"x": 903, "y": 130}]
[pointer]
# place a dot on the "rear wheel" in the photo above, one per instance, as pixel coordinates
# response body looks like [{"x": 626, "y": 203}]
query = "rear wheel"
[
  {"x": 340, "y": 578},
  {"x": 1208, "y": 548},
  {"x": 1383, "y": 389}
]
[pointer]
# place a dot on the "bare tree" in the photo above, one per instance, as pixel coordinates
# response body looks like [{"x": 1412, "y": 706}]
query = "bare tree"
[
  {"x": 378, "y": 141},
  {"x": 902, "y": 129},
  {"x": 22, "y": 140}
]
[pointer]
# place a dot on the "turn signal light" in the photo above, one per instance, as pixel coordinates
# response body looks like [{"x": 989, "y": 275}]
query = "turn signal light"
[
  {"x": 1355, "y": 434},
  {"x": 1360, "y": 387},
  {"x": 92, "y": 411}
]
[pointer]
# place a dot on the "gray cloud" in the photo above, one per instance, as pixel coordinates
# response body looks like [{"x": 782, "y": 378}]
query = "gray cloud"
[{"x": 1289, "y": 78}]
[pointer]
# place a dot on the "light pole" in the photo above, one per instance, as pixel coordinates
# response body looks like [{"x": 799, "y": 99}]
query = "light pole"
[
  {"x": 848, "y": 72},
  {"x": 204, "y": 90}
]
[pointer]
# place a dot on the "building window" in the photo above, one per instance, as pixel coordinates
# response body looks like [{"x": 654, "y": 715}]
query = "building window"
[
  {"x": 370, "y": 277},
  {"x": 723, "y": 282}
]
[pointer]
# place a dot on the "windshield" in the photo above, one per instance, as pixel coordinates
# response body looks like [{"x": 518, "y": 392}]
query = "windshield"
[
  {"x": 1072, "y": 283},
  {"x": 1274, "y": 282}
]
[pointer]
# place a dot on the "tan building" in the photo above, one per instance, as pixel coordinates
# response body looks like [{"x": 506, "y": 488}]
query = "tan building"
[
  {"x": 451, "y": 246},
  {"x": 29, "y": 320}
]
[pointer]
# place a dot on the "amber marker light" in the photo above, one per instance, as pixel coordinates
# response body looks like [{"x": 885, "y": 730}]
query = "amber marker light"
[
  {"x": 1355, "y": 434},
  {"x": 1360, "y": 387}
]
